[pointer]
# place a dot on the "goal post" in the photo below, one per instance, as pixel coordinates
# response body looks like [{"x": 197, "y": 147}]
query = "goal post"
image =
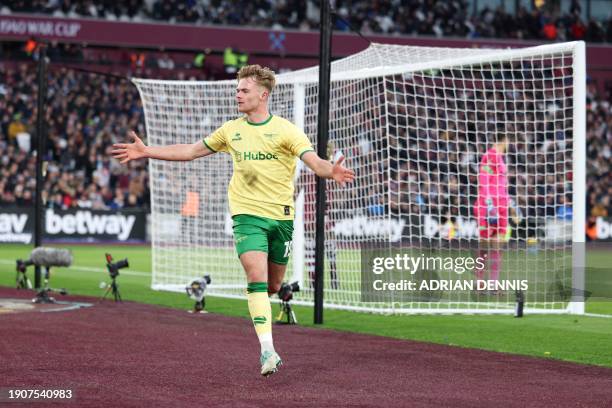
[
  {"x": 577, "y": 304},
  {"x": 414, "y": 123}
]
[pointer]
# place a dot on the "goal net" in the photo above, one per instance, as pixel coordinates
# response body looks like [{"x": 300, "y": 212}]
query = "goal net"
[{"x": 415, "y": 123}]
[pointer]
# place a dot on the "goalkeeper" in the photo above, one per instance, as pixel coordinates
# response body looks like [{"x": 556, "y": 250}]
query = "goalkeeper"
[
  {"x": 264, "y": 148},
  {"x": 491, "y": 209}
]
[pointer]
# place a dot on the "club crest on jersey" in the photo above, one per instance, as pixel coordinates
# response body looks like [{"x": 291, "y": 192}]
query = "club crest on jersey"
[{"x": 236, "y": 137}]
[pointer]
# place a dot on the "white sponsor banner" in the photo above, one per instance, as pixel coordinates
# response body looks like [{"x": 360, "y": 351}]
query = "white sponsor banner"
[
  {"x": 462, "y": 228},
  {"x": 392, "y": 229},
  {"x": 364, "y": 227},
  {"x": 13, "y": 228},
  {"x": 558, "y": 230},
  {"x": 17, "y": 225},
  {"x": 87, "y": 223},
  {"x": 603, "y": 228}
]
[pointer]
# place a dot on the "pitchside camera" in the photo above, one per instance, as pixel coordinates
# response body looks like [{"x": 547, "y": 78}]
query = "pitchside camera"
[
  {"x": 113, "y": 268},
  {"x": 195, "y": 290},
  {"x": 113, "y": 271},
  {"x": 23, "y": 264},
  {"x": 22, "y": 281},
  {"x": 48, "y": 258},
  {"x": 285, "y": 294},
  {"x": 287, "y": 289}
]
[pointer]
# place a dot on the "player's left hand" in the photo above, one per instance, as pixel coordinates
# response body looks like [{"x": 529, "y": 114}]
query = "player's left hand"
[{"x": 341, "y": 174}]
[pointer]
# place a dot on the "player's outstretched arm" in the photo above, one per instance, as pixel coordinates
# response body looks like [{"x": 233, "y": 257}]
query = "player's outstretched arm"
[
  {"x": 325, "y": 169},
  {"x": 124, "y": 152}
]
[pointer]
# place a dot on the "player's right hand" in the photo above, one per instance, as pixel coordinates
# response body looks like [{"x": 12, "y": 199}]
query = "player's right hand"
[
  {"x": 124, "y": 152},
  {"x": 341, "y": 174}
]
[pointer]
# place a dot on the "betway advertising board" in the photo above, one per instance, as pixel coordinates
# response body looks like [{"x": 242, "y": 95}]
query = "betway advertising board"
[
  {"x": 427, "y": 227},
  {"x": 78, "y": 225},
  {"x": 603, "y": 229},
  {"x": 399, "y": 229}
]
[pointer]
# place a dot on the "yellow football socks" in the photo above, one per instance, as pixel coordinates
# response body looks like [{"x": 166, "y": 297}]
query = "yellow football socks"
[{"x": 261, "y": 313}]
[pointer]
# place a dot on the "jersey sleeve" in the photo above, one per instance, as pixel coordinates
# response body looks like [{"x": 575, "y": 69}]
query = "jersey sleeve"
[
  {"x": 217, "y": 141},
  {"x": 298, "y": 143}
]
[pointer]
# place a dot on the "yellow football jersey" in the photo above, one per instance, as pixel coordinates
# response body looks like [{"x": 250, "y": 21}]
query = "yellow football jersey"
[{"x": 264, "y": 156}]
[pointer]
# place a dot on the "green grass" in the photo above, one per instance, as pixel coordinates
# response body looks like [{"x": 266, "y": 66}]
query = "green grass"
[{"x": 581, "y": 339}]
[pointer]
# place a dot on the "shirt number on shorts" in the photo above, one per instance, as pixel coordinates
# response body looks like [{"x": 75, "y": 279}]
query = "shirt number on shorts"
[{"x": 287, "y": 249}]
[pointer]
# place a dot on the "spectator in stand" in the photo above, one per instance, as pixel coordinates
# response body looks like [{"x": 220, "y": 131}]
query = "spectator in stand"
[
  {"x": 550, "y": 30},
  {"x": 83, "y": 112},
  {"x": 165, "y": 62},
  {"x": 86, "y": 111},
  {"x": 600, "y": 209},
  {"x": 199, "y": 60},
  {"x": 16, "y": 127},
  {"x": 231, "y": 60},
  {"x": 431, "y": 17}
]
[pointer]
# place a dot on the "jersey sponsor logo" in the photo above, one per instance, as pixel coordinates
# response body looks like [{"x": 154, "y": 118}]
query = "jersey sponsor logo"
[
  {"x": 255, "y": 156},
  {"x": 270, "y": 134},
  {"x": 236, "y": 137}
]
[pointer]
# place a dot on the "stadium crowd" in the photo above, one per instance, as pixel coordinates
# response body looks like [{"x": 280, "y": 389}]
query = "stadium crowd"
[
  {"x": 431, "y": 171},
  {"x": 418, "y": 17},
  {"x": 439, "y": 174},
  {"x": 437, "y": 137},
  {"x": 599, "y": 152},
  {"x": 85, "y": 114}
]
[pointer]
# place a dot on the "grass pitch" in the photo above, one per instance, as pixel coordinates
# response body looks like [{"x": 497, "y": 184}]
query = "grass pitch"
[{"x": 582, "y": 339}]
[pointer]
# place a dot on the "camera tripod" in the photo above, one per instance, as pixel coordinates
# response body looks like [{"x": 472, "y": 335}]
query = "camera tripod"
[
  {"x": 22, "y": 281},
  {"x": 287, "y": 311},
  {"x": 114, "y": 288},
  {"x": 43, "y": 295},
  {"x": 199, "y": 306}
]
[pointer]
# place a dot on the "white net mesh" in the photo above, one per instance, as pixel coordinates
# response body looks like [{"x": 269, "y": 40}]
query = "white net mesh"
[{"x": 414, "y": 124}]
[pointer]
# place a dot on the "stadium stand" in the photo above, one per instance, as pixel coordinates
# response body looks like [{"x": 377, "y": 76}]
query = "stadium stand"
[
  {"x": 440, "y": 183},
  {"x": 437, "y": 18},
  {"x": 92, "y": 113},
  {"x": 97, "y": 110},
  {"x": 599, "y": 154}
]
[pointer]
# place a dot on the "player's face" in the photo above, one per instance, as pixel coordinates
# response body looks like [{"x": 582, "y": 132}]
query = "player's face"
[
  {"x": 249, "y": 95},
  {"x": 505, "y": 146},
  {"x": 502, "y": 146}
]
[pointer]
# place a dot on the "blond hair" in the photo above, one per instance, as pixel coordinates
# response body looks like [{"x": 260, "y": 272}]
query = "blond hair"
[{"x": 263, "y": 76}]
